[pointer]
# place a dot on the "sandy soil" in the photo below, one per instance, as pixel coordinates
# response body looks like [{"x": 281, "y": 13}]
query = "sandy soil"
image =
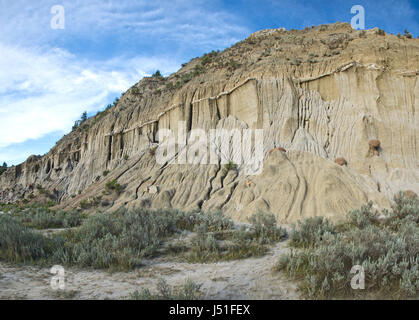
[{"x": 252, "y": 278}]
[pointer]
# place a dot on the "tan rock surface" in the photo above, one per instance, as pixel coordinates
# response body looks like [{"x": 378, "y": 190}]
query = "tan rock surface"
[{"x": 319, "y": 93}]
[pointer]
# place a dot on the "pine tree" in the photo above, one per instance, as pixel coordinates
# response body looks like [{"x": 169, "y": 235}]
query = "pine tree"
[
  {"x": 157, "y": 74},
  {"x": 3, "y": 168},
  {"x": 83, "y": 117}
]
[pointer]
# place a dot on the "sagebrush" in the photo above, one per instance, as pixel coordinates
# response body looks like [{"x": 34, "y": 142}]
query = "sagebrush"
[
  {"x": 189, "y": 291},
  {"x": 121, "y": 240},
  {"x": 385, "y": 244}
]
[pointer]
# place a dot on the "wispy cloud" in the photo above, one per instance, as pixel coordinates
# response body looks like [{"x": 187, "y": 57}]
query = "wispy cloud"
[
  {"x": 50, "y": 76},
  {"x": 391, "y": 15},
  {"x": 44, "y": 92},
  {"x": 141, "y": 20}
]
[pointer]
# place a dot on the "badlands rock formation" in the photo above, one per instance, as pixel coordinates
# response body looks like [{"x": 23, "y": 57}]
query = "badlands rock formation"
[{"x": 321, "y": 93}]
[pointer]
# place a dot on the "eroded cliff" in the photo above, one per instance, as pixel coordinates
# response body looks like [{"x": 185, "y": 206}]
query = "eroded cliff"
[{"x": 320, "y": 94}]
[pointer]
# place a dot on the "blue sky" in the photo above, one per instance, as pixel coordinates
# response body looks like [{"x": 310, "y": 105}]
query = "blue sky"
[{"x": 49, "y": 77}]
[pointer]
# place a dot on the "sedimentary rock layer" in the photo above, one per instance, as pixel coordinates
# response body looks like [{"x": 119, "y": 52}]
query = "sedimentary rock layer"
[{"x": 320, "y": 94}]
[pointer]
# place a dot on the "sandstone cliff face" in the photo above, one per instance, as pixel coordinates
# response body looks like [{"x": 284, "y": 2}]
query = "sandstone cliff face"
[{"x": 319, "y": 93}]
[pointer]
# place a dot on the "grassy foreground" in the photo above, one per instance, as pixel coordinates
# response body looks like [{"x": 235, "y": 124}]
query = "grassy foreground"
[
  {"x": 120, "y": 241},
  {"x": 189, "y": 291},
  {"x": 385, "y": 244}
]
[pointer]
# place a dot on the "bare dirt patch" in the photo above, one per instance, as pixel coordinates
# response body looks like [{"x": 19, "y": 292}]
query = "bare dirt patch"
[{"x": 251, "y": 278}]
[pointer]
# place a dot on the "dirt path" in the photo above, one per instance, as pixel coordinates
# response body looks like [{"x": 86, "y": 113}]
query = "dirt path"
[{"x": 243, "y": 279}]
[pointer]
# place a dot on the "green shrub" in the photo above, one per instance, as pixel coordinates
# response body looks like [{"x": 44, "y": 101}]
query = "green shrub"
[
  {"x": 241, "y": 243},
  {"x": 265, "y": 228},
  {"x": 296, "y": 62},
  {"x": 198, "y": 69},
  {"x": 387, "y": 249},
  {"x": 42, "y": 190},
  {"x": 310, "y": 232},
  {"x": 407, "y": 34},
  {"x": 230, "y": 166},
  {"x": 380, "y": 32},
  {"x": 60, "y": 219},
  {"x": 206, "y": 60},
  {"x": 234, "y": 64},
  {"x": 363, "y": 217},
  {"x": 19, "y": 244},
  {"x": 170, "y": 86},
  {"x": 189, "y": 291},
  {"x": 84, "y": 204},
  {"x": 49, "y": 204},
  {"x": 216, "y": 221},
  {"x": 3, "y": 168},
  {"x": 208, "y": 57},
  {"x": 120, "y": 240},
  {"x": 187, "y": 77},
  {"x": 40, "y": 216},
  {"x": 113, "y": 185}
]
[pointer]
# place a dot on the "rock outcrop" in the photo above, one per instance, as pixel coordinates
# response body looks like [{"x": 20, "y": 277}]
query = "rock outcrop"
[{"x": 318, "y": 94}]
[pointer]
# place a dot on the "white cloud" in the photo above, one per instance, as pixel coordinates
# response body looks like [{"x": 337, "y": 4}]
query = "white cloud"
[
  {"x": 49, "y": 77},
  {"x": 185, "y": 21},
  {"x": 44, "y": 92}
]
